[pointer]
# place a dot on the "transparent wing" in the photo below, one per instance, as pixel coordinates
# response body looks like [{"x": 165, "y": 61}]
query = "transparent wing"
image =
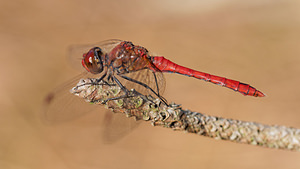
[
  {"x": 75, "y": 52},
  {"x": 115, "y": 126},
  {"x": 61, "y": 105},
  {"x": 155, "y": 81}
]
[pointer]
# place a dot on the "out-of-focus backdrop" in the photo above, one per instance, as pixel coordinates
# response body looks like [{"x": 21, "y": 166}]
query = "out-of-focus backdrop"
[{"x": 256, "y": 42}]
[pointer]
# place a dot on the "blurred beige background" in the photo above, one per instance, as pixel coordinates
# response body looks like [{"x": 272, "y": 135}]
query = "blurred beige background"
[{"x": 256, "y": 42}]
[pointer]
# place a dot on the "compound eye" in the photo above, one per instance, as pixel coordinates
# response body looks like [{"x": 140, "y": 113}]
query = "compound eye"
[{"x": 92, "y": 60}]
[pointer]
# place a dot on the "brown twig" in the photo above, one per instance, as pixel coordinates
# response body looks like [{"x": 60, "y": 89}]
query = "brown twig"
[{"x": 173, "y": 116}]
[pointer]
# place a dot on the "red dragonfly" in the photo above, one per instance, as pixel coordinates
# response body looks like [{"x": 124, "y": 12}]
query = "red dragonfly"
[
  {"x": 132, "y": 67},
  {"x": 126, "y": 58}
]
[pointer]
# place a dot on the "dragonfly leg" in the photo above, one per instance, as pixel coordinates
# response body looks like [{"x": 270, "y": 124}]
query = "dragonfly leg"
[
  {"x": 101, "y": 78},
  {"x": 123, "y": 88},
  {"x": 127, "y": 93},
  {"x": 146, "y": 86},
  {"x": 105, "y": 82},
  {"x": 156, "y": 83},
  {"x": 120, "y": 84}
]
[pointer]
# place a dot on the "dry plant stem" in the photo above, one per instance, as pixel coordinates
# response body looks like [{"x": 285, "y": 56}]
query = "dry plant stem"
[{"x": 173, "y": 116}]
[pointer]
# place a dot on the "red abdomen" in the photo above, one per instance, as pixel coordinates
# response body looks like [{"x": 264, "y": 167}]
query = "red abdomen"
[{"x": 166, "y": 65}]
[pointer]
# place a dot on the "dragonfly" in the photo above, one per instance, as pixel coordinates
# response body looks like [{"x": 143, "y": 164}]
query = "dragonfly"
[
  {"x": 132, "y": 67},
  {"x": 126, "y": 59}
]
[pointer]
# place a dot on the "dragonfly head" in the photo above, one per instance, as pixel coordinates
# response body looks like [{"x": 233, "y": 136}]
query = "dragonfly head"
[{"x": 92, "y": 61}]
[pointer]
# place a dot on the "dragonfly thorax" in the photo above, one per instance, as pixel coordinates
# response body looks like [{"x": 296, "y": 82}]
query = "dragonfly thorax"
[{"x": 126, "y": 58}]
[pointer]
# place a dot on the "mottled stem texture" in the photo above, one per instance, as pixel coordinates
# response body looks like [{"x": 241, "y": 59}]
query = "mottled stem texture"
[{"x": 147, "y": 108}]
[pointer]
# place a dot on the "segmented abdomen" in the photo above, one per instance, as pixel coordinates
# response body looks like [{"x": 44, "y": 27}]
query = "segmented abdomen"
[{"x": 166, "y": 65}]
